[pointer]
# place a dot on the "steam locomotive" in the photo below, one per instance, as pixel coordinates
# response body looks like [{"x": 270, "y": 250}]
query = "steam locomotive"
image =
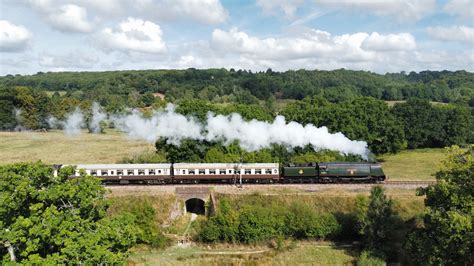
[{"x": 232, "y": 173}]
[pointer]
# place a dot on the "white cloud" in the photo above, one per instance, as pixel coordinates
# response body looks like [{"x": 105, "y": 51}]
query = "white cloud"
[
  {"x": 273, "y": 7},
  {"x": 390, "y": 42},
  {"x": 312, "y": 44},
  {"x": 462, "y": 8},
  {"x": 72, "y": 60},
  {"x": 13, "y": 38},
  {"x": 453, "y": 33},
  {"x": 133, "y": 35},
  {"x": 403, "y": 10},
  {"x": 201, "y": 11},
  {"x": 62, "y": 16},
  {"x": 70, "y": 18}
]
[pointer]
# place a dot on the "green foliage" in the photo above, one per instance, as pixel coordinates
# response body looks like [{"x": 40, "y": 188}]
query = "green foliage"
[
  {"x": 257, "y": 223},
  {"x": 57, "y": 220},
  {"x": 365, "y": 119},
  {"x": 142, "y": 217},
  {"x": 377, "y": 224},
  {"x": 447, "y": 236},
  {"x": 427, "y": 125},
  {"x": 368, "y": 258},
  {"x": 7, "y": 101}
]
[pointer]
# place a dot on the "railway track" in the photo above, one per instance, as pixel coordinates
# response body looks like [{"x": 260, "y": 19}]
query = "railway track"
[{"x": 385, "y": 183}]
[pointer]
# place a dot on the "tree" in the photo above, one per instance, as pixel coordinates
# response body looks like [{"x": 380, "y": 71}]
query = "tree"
[
  {"x": 56, "y": 220},
  {"x": 447, "y": 235},
  {"x": 377, "y": 224},
  {"x": 7, "y": 118}
]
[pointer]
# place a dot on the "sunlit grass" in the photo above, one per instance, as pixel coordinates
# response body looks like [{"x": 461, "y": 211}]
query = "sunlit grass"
[
  {"x": 419, "y": 164},
  {"x": 55, "y": 147}
]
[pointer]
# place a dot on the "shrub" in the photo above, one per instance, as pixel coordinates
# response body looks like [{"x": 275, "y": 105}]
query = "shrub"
[{"x": 368, "y": 258}]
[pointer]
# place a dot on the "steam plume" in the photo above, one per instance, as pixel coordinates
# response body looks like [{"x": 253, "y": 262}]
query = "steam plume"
[
  {"x": 167, "y": 124},
  {"x": 72, "y": 125},
  {"x": 252, "y": 135},
  {"x": 97, "y": 117}
]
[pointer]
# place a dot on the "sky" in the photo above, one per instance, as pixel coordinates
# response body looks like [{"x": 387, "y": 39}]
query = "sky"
[{"x": 372, "y": 35}]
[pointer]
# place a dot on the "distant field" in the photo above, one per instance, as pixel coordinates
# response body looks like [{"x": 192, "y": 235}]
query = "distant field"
[
  {"x": 55, "y": 147},
  {"x": 418, "y": 164},
  {"x": 392, "y": 103}
]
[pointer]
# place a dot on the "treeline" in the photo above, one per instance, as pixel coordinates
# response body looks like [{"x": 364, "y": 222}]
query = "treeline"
[
  {"x": 117, "y": 89},
  {"x": 412, "y": 124}
]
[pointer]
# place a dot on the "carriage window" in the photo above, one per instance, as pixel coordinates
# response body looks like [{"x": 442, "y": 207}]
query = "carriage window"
[
  {"x": 93, "y": 173},
  {"x": 141, "y": 172},
  {"x": 191, "y": 172},
  {"x": 159, "y": 171},
  {"x": 258, "y": 171},
  {"x": 237, "y": 172},
  {"x": 183, "y": 171},
  {"x": 130, "y": 172},
  {"x": 268, "y": 171},
  {"x": 151, "y": 171},
  {"x": 119, "y": 172},
  {"x": 248, "y": 171},
  {"x": 275, "y": 171},
  {"x": 104, "y": 173},
  {"x": 229, "y": 171},
  {"x": 212, "y": 171},
  {"x": 201, "y": 171}
]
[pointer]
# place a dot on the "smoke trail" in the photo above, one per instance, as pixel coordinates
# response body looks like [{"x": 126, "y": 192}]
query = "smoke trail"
[
  {"x": 19, "y": 120},
  {"x": 251, "y": 135},
  {"x": 72, "y": 125},
  {"x": 254, "y": 135},
  {"x": 97, "y": 117},
  {"x": 168, "y": 124}
]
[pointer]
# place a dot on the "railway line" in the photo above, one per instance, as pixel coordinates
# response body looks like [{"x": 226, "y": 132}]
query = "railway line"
[{"x": 388, "y": 183}]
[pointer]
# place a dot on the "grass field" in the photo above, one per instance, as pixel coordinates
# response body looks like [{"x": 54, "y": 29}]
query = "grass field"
[
  {"x": 418, "y": 164},
  {"x": 303, "y": 253},
  {"x": 56, "y": 147}
]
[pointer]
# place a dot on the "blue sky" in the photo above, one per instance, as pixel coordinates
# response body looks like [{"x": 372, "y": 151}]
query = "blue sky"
[{"x": 374, "y": 35}]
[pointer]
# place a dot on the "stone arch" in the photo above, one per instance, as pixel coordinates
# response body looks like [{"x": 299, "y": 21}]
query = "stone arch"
[{"x": 195, "y": 205}]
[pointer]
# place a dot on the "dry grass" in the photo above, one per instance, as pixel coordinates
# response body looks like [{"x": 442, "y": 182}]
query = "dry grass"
[
  {"x": 418, "y": 164},
  {"x": 304, "y": 253},
  {"x": 55, "y": 147}
]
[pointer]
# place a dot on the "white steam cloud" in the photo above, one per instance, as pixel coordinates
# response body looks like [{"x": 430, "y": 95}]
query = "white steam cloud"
[
  {"x": 254, "y": 135},
  {"x": 98, "y": 115},
  {"x": 168, "y": 124},
  {"x": 19, "y": 120},
  {"x": 251, "y": 135},
  {"x": 72, "y": 125}
]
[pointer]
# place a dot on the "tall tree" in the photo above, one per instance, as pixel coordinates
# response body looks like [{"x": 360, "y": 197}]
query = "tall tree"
[
  {"x": 377, "y": 224},
  {"x": 447, "y": 235}
]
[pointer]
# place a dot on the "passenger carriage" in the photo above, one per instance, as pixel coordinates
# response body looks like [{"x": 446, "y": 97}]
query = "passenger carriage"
[{"x": 225, "y": 173}]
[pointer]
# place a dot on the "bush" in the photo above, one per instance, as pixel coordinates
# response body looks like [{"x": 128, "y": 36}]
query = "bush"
[
  {"x": 256, "y": 223},
  {"x": 368, "y": 258}
]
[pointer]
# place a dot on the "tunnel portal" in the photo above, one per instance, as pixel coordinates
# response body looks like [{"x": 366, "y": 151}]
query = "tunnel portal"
[{"x": 195, "y": 205}]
